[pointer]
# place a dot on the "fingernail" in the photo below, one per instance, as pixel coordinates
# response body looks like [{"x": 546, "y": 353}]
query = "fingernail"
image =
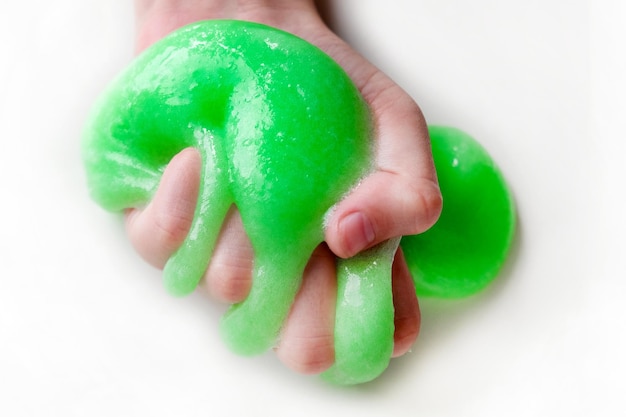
[{"x": 357, "y": 231}]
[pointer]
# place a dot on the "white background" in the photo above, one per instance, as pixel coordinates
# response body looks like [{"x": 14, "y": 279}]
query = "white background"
[{"x": 87, "y": 330}]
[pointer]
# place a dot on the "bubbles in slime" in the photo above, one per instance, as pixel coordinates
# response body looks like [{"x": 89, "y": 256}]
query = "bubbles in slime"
[{"x": 283, "y": 134}]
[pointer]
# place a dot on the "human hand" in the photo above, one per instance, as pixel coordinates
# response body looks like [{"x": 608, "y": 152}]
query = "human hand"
[{"x": 401, "y": 197}]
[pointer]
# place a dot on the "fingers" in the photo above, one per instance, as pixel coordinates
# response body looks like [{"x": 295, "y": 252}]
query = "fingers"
[
  {"x": 229, "y": 275},
  {"x": 402, "y": 196},
  {"x": 157, "y": 230},
  {"x": 407, "y": 313},
  {"x": 307, "y": 340}
]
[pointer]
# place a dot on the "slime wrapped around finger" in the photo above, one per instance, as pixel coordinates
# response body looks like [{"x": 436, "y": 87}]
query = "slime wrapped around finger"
[{"x": 283, "y": 134}]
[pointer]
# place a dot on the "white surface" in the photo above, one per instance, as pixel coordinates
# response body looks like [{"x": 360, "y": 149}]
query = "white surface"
[{"x": 86, "y": 330}]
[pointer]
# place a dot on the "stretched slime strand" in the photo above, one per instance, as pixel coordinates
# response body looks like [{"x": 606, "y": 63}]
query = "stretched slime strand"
[{"x": 284, "y": 135}]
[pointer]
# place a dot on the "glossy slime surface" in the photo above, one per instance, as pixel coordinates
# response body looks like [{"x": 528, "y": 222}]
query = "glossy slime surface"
[
  {"x": 284, "y": 135},
  {"x": 467, "y": 247}
]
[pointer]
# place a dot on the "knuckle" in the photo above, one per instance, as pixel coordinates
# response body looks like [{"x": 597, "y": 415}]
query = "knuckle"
[
  {"x": 432, "y": 202},
  {"x": 309, "y": 355},
  {"x": 229, "y": 283},
  {"x": 426, "y": 203},
  {"x": 170, "y": 229}
]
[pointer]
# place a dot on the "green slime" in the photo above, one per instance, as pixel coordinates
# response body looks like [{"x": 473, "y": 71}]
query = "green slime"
[
  {"x": 467, "y": 247},
  {"x": 284, "y": 135}
]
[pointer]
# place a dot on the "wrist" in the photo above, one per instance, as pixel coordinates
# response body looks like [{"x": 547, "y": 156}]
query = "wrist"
[{"x": 156, "y": 18}]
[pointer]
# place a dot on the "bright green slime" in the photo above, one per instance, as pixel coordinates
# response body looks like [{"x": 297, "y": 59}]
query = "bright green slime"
[
  {"x": 284, "y": 135},
  {"x": 466, "y": 248}
]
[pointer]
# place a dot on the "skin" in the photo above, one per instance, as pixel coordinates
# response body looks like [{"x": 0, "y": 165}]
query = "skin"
[{"x": 401, "y": 197}]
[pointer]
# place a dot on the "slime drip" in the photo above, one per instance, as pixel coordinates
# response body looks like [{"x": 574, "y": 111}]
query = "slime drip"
[{"x": 283, "y": 134}]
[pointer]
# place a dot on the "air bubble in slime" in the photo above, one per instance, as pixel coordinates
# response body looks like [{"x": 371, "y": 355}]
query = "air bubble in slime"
[{"x": 283, "y": 134}]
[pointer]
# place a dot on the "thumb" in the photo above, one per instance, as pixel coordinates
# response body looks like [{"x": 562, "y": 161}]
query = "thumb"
[
  {"x": 401, "y": 196},
  {"x": 383, "y": 206}
]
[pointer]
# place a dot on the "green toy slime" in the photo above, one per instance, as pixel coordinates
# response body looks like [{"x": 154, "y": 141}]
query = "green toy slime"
[
  {"x": 466, "y": 248},
  {"x": 284, "y": 135}
]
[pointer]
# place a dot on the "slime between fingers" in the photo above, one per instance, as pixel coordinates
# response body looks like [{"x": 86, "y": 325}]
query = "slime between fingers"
[{"x": 284, "y": 135}]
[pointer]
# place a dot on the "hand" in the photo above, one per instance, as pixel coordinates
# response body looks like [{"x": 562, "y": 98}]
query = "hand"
[{"x": 401, "y": 197}]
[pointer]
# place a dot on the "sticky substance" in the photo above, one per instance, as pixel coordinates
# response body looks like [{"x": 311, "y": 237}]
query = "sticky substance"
[{"x": 283, "y": 134}]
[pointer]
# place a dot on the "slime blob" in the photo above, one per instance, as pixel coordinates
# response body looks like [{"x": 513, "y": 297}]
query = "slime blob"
[
  {"x": 464, "y": 251},
  {"x": 283, "y": 134}
]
